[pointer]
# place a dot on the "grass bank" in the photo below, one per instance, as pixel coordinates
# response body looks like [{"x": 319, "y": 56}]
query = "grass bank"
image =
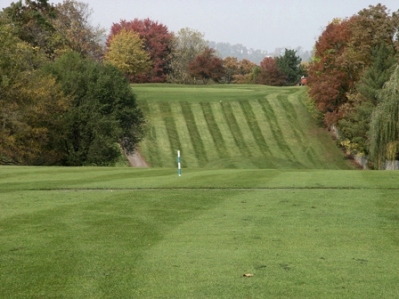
[{"x": 233, "y": 126}]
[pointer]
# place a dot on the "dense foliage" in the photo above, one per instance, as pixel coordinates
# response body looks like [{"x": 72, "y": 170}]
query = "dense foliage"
[
  {"x": 58, "y": 104},
  {"x": 353, "y": 59},
  {"x": 157, "y": 42}
]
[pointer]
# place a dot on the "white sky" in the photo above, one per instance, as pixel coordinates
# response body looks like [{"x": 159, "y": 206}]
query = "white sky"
[{"x": 257, "y": 24}]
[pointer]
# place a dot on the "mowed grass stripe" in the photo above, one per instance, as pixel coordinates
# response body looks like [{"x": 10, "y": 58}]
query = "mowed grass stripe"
[
  {"x": 275, "y": 127},
  {"x": 214, "y": 130},
  {"x": 254, "y": 127},
  {"x": 231, "y": 120},
  {"x": 185, "y": 137},
  {"x": 300, "y": 113},
  {"x": 298, "y": 140},
  {"x": 232, "y": 149},
  {"x": 247, "y": 135},
  {"x": 169, "y": 121},
  {"x": 206, "y": 137},
  {"x": 314, "y": 153},
  {"x": 162, "y": 142},
  {"x": 150, "y": 147},
  {"x": 195, "y": 137},
  {"x": 264, "y": 124}
]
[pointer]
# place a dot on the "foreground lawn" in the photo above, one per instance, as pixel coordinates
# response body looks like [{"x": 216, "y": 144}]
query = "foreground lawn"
[{"x": 124, "y": 233}]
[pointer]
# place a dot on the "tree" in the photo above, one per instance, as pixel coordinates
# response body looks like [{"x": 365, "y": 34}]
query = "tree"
[
  {"x": 75, "y": 31},
  {"x": 328, "y": 79},
  {"x": 230, "y": 65},
  {"x": 103, "y": 112},
  {"x": 290, "y": 65},
  {"x": 157, "y": 42},
  {"x": 384, "y": 127},
  {"x": 270, "y": 73},
  {"x": 30, "y": 104},
  {"x": 32, "y": 23},
  {"x": 125, "y": 51},
  {"x": 245, "y": 71},
  {"x": 207, "y": 66},
  {"x": 187, "y": 45},
  {"x": 354, "y": 125}
]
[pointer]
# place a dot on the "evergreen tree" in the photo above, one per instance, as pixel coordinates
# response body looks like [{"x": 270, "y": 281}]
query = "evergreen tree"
[
  {"x": 289, "y": 65},
  {"x": 355, "y": 124}
]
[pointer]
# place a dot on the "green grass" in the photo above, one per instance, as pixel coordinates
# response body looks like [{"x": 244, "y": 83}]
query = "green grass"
[
  {"x": 234, "y": 126},
  {"x": 147, "y": 233}
]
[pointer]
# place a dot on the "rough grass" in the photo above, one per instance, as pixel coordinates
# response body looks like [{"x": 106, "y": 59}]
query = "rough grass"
[
  {"x": 147, "y": 233},
  {"x": 233, "y": 126}
]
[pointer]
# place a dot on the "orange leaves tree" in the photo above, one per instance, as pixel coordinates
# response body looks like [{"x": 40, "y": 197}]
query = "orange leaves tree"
[
  {"x": 328, "y": 80},
  {"x": 207, "y": 66},
  {"x": 343, "y": 53},
  {"x": 157, "y": 42}
]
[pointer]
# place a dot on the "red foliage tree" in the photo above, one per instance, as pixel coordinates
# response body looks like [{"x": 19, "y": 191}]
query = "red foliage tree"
[
  {"x": 329, "y": 80},
  {"x": 207, "y": 66},
  {"x": 270, "y": 73},
  {"x": 157, "y": 42}
]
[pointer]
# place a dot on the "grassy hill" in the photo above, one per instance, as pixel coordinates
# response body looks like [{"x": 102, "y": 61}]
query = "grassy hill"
[{"x": 233, "y": 126}]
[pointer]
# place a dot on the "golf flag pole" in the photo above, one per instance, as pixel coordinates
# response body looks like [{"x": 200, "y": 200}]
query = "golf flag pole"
[{"x": 178, "y": 163}]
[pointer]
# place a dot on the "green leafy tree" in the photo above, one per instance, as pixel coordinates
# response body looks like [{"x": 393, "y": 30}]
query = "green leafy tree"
[
  {"x": 103, "y": 113},
  {"x": 126, "y": 52},
  {"x": 32, "y": 21},
  {"x": 290, "y": 65},
  {"x": 384, "y": 127},
  {"x": 355, "y": 124}
]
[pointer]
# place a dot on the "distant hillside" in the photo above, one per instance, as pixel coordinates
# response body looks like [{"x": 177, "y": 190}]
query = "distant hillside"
[
  {"x": 233, "y": 126},
  {"x": 256, "y": 56}
]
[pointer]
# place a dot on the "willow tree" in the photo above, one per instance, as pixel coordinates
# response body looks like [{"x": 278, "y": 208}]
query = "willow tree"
[{"x": 384, "y": 127}]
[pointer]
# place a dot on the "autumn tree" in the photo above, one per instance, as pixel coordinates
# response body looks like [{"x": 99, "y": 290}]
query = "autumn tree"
[
  {"x": 126, "y": 52},
  {"x": 230, "y": 65},
  {"x": 32, "y": 21},
  {"x": 31, "y": 104},
  {"x": 343, "y": 53},
  {"x": 75, "y": 31},
  {"x": 245, "y": 71},
  {"x": 157, "y": 42},
  {"x": 270, "y": 73},
  {"x": 329, "y": 81},
  {"x": 207, "y": 66},
  {"x": 186, "y": 46}
]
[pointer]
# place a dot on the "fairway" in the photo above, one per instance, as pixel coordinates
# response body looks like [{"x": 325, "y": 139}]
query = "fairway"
[
  {"x": 147, "y": 233},
  {"x": 233, "y": 126}
]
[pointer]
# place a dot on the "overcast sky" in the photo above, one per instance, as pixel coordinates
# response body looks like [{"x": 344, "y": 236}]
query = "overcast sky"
[{"x": 257, "y": 24}]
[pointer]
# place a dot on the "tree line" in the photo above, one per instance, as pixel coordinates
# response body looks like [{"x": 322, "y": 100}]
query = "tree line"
[
  {"x": 353, "y": 81},
  {"x": 65, "y": 94}
]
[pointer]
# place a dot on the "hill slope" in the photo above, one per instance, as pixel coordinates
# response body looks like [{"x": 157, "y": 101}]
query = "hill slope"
[{"x": 233, "y": 126}]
